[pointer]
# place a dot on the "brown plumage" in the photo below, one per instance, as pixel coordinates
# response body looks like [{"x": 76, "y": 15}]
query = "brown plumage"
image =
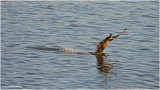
[{"x": 103, "y": 44}]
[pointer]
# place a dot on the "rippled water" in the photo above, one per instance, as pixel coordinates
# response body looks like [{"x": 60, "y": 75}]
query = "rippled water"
[{"x": 32, "y": 34}]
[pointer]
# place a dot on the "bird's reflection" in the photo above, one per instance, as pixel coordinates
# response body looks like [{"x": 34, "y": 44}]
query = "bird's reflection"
[{"x": 103, "y": 66}]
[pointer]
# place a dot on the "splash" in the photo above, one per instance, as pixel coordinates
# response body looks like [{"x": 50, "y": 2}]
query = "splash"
[{"x": 71, "y": 50}]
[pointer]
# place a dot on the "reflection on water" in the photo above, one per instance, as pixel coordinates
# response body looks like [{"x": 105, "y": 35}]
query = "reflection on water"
[{"x": 103, "y": 66}]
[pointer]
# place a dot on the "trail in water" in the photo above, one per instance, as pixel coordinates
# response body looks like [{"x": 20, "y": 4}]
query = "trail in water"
[
  {"x": 70, "y": 50},
  {"x": 66, "y": 50}
]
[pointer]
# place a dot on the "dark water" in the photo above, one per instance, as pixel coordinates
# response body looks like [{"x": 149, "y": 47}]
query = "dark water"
[{"x": 39, "y": 41}]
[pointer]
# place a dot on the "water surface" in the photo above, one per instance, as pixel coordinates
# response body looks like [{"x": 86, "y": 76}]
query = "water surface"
[{"x": 33, "y": 32}]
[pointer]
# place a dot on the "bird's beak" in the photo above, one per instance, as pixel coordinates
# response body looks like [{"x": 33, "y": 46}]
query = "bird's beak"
[{"x": 111, "y": 39}]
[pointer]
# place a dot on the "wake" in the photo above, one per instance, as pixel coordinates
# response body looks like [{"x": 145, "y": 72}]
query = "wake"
[
  {"x": 66, "y": 50},
  {"x": 70, "y": 50}
]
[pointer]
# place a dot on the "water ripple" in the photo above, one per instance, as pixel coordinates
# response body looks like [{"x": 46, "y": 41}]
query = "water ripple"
[{"x": 34, "y": 33}]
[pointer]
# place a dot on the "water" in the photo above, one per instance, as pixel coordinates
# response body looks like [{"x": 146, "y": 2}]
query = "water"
[{"x": 32, "y": 34}]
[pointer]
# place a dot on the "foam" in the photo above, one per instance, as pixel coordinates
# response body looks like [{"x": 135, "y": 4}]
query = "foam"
[{"x": 71, "y": 50}]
